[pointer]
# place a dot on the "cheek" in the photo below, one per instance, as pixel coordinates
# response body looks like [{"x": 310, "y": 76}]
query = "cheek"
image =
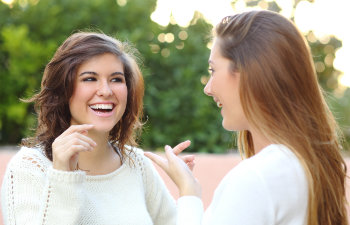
[
  {"x": 122, "y": 93},
  {"x": 79, "y": 94}
]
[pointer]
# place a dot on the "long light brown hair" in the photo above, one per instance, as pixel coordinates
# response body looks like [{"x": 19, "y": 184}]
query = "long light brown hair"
[
  {"x": 52, "y": 102},
  {"x": 281, "y": 97}
]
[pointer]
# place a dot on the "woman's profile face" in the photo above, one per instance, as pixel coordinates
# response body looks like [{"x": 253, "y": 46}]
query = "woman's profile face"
[
  {"x": 223, "y": 86},
  {"x": 100, "y": 93}
]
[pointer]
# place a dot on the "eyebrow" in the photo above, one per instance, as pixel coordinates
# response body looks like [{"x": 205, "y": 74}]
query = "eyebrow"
[
  {"x": 96, "y": 74},
  {"x": 210, "y": 62}
]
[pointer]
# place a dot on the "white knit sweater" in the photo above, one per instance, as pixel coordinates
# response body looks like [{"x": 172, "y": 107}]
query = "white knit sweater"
[
  {"x": 270, "y": 188},
  {"x": 35, "y": 193}
]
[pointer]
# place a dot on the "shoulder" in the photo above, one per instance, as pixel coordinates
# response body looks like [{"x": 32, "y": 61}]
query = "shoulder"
[
  {"x": 279, "y": 171},
  {"x": 274, "y": 179},
  {"x": 276, "y": 166},
  {"x": 29, "y": 158},
  {"x": 136, "y": 155},
  {"x": 275, "y": 159}
]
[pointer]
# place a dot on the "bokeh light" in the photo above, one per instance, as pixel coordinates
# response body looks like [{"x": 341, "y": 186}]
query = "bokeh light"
[{"x": 325, "y": 18}]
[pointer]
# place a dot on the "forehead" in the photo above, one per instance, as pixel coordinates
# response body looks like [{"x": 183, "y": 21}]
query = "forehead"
[
  {"x": 106, "y": 60},
  {"x": 215, "y": 53},
  {"x": 215, "y": 50}
]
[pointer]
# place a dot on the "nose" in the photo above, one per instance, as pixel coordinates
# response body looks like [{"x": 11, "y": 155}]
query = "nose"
[
  {"x": 207, "y": 88},
  {"x": 104, "y": 89}
]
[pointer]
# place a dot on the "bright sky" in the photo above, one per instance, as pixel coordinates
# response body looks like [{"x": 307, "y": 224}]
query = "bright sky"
[{"x": 324, "y": 17}]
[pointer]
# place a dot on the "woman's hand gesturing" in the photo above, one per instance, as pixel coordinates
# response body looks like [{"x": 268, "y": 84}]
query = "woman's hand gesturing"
[
  {"x": 178, "y": 169},
  {"x": 66, "y": 147}
]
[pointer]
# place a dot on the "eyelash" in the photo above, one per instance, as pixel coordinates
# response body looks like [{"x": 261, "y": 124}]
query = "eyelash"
[
  {"x": 116, "y": 79},
  {"x": 211, "y": 70},
  {"x": 89, "y": 79}
]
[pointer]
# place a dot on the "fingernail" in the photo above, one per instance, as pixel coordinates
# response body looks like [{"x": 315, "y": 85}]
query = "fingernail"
[{"x": 167, "y": 147}]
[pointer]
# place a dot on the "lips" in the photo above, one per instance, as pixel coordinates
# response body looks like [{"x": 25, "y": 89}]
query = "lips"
[
  {"x": 218, "y": 103},
  {"x": 102, "y": 107}
]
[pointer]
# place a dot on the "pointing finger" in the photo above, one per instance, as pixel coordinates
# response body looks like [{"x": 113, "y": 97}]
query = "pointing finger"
[
  {"x": 180, "y": 147},
  {"x": 77, "y": 128}
]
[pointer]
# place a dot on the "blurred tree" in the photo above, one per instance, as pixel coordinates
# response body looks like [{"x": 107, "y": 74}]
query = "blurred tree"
[
  {"x": 175, "y": 102},
  {"x": 30, "y": 32},
  {"x": 174, "y": 60},
  {"x": 174, "y": 66}
]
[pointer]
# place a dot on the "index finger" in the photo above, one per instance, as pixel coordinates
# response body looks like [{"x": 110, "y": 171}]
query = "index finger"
[
  {"x": 77, "y": 128},
  {"x": 180, "y": 147}
]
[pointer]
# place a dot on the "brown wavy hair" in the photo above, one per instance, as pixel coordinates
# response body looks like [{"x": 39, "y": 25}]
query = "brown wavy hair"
[
  {"x": 281, "y": 97},
  {"x": 52, "y": 102}
]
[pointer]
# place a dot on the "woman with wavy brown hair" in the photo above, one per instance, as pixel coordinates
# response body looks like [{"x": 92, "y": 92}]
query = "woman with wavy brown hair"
[
  {"x": 82, "y": 166},
  {"x": 263, "y": 79}
]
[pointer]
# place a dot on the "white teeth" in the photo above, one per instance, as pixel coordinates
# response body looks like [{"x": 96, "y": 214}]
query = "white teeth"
[
  {"x": 102, "y": 106},
  {"x": 219, "y": 104}
]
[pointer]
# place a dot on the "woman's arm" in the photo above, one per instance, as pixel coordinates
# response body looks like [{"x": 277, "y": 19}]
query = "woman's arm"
[
  {"x": 190, "y": 207},
  {"x": 160, "y": 204},
  {"x": 35, "y": 193}
]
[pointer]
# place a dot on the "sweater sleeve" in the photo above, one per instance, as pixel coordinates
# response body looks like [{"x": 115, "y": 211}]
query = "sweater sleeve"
[
  {"x": 34, "y": 193},
  {"x": 241, "y": 198},
  {"x": 160, "y": 204},
  {"x": 189, "y": 210}
]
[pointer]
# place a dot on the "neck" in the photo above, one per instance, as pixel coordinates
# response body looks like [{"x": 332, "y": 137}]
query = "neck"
[
  {"x": 102, "y": 153},
  {"x": 259, "y": 140}
]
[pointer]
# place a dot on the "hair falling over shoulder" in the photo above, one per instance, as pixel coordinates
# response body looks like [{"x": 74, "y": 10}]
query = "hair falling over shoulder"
[
  {"x": 52, "y": 102},
  {"x": 280, "y": 96}
]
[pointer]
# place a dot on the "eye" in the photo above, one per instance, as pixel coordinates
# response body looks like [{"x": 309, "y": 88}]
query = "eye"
[
  {"x": 89, "y": 79},
  {"x": 118, "y": 79},
  {"x": 211, "y": 71}
]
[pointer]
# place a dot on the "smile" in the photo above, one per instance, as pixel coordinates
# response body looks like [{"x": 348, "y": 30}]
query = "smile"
[
  {"x": 219, "y": 104},
  {"x": 102, "y": 108}
]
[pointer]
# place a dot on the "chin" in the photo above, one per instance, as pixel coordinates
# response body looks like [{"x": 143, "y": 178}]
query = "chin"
[
  {"x": 103, "y": 129},
  {"x": 232, "y": 126},
  {"x": 227, "y": 127}
]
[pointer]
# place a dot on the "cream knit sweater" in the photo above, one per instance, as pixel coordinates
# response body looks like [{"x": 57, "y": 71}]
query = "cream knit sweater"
[{"x": 35, "y": 193}]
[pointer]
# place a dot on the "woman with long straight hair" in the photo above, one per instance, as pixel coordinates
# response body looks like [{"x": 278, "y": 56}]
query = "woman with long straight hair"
[{"x": 263, "y": 80}]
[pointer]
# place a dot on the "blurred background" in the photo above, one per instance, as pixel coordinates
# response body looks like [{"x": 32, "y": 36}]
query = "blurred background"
[{"x": 173, "y": 38}]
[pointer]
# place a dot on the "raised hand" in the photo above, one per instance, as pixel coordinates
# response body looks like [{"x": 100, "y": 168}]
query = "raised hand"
[
  {"x": 66, "y": 147},
  {"x": 177, "y": 169}
]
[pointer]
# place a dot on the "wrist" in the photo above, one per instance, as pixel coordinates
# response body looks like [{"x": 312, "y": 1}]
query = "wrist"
[
  {"x": 191, "y": 189},
  {"x": 60, "y": 167}
]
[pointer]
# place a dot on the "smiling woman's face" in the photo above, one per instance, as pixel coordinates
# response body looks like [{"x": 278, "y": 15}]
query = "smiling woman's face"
[
  {"x": 223, "y": 86},
  {"x": 100, "y": 93}
]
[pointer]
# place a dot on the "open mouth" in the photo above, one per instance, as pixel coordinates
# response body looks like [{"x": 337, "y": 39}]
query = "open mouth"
[{"x": 102, "y": 108}]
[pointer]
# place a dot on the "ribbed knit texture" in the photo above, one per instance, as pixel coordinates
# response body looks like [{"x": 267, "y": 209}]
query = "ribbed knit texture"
[{"x": 34, "y": 193}]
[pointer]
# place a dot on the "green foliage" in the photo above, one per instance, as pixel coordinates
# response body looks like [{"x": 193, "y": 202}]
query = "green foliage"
[
  {"x": 175, "y": 106},
  {"x": 341, "y": 110},
  {"x": 174, "y": 66},
  {"x": 175, "y": 102}
]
